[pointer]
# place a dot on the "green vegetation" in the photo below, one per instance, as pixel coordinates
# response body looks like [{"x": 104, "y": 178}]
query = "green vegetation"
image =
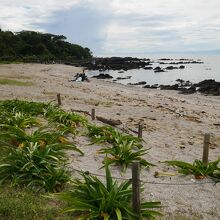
[
  {"x": 34, "y": 138},
  {"x": 34, "y": 166},
  {"x": 30, "y": 108},
  {"x": 33, "y": 155},
  {"x": 21, "y": 203},
  {"x": 122, "y": 154},
  {"x": 66, "y": 121},
  {"x": 93, "y": 199},
  {"x": 30, "y": 46},
  {"x": 198, "y": 168},
  {"x": 125, "y": 148},
  {"x": 14, "y": 82},
  {"x": 107, "y": 134}
]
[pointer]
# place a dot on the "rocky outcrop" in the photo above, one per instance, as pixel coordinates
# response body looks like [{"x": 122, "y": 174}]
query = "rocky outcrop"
[
  {"x": 138, "y": 83},
  {"x": 207, "y": 87},
  {"x": 171, "y": 67},
  {"x": 116, "y": 63},
  {"x": 103, "y": 76},
  {"x": 121, "y": 78},
  {"x": 158, "y": 69}
]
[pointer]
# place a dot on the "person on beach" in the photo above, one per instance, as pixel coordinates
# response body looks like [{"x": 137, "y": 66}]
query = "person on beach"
[{"x": 82, "y": 76}]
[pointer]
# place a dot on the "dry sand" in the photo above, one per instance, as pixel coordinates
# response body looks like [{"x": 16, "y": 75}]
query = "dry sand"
[{"x": 174, "y": 127}]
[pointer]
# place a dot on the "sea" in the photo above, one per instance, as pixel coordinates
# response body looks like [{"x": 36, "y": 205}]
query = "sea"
[{"x": 194, "y": 72}]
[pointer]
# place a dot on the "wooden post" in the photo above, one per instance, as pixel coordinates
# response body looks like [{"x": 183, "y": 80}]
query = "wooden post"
[
  {"x": 136, "y": 203},
  {"x": 140, "y": 128},
  {"x": 59, "y": 99},
  {"x": 205, "y": 156},
  {"x": 93, "y": 114}
]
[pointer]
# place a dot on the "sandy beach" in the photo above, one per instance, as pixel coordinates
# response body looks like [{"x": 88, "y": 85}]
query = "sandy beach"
[{"x": 174, "y": 128}]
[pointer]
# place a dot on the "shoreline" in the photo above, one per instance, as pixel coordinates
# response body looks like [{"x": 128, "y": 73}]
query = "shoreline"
[{"x": 174, "y": 127}]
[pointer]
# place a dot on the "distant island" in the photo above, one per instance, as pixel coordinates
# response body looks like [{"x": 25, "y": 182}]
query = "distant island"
[{"x": 31, "y": 46}]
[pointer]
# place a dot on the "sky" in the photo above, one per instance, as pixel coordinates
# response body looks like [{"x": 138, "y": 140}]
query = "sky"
[{"x": 121, "y": 27}]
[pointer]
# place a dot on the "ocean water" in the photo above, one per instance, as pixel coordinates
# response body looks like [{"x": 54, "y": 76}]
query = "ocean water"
[{"x": 209, "y": 69}]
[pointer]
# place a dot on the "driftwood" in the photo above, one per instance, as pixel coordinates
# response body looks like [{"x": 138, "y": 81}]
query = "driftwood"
[
  {"x": 111, "y": 122},
  {"x": 81, "y": 111}
]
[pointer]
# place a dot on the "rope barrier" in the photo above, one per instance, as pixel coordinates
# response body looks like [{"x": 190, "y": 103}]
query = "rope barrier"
[{"x": 149, "y": 182}]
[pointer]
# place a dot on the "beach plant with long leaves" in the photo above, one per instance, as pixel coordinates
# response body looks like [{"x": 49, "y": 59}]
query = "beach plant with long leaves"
[
  {"x": 69, "y": 120},
  {"x": 33, "y": 166},
  {"x": 26, "y": 107},
  {"x": 43, "y": 136},
  {"x": 123, "y": 154},
  {"x": 18, "y": 119},
  {"x": 197, "y": 168},
  {"x": 92, "y": 199},
  {"x": 108, "y": 134}
]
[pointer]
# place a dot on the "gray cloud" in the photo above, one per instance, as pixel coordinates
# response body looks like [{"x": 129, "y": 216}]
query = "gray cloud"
[{"x": 121, "y": 27}]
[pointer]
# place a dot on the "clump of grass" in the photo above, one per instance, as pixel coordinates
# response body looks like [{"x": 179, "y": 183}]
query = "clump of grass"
[
  {"x": 21, "y": 203},
  {"x": 13, "y": 82},
  {"x": 26, "y": 107}
]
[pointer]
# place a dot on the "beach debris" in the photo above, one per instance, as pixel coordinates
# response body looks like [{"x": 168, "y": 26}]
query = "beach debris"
[
  {"x": 80, "y": 77},
  {"x": 111, "y": 122},
  {"x": 160, "y": 173}
]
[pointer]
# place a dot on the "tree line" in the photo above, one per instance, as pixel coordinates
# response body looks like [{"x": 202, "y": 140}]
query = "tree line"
[{"x": 31, "y": 46}]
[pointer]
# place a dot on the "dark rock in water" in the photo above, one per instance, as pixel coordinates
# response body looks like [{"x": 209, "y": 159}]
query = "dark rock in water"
[
  {"x": 158, "y": 69},
  {"x": 115, "y": 63},
  {"x": 183, "y": 83},
  {"x": 138, "y": 83},
  {"x": 120, "y": 78},
  {"x": 121, "y": 71},
  {"x": 180, "y": 80},
  {"x": 186, "y": 62},
  {"x": 171, "y": 67},
  {"x": 187, "y": 91},
  {"x": 148, "y": 68},
  {"x": 182, "y": 67},
  {"x": 103, "y": 76},
  {"x": 209, "y": 87},
  {"x": 155, "y": 86},
  {"x": 169, "y": 87},
  {"x": 146, "y": 86},
  {"x": 165, "y": 59}
]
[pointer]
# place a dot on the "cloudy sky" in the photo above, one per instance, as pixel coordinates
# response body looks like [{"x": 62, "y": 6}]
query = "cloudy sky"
[{"x": 121, "y": 27}]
